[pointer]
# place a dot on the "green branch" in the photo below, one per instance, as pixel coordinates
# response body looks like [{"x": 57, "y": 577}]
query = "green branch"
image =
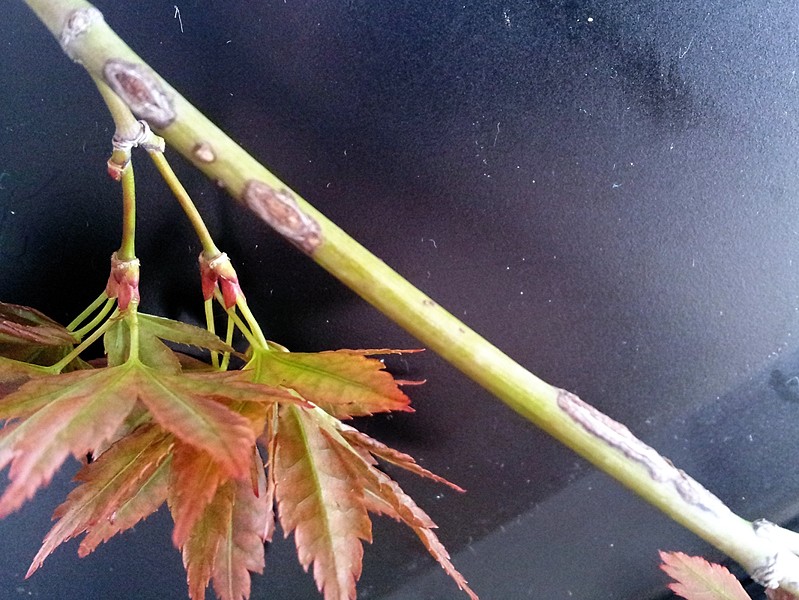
[{"x": 86, "y": 38}]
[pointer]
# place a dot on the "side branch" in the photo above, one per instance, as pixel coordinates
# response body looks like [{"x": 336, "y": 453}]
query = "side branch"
[{"x": 609, "y": 445}]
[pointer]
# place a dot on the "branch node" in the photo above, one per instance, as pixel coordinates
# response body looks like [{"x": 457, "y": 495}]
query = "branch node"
[
  {"x": 78, "y": 22},
  {"x": 144, "y": 138},
  {"x": 782, "y": 568}
]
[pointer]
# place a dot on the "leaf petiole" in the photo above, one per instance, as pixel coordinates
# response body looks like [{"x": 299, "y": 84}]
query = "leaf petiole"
[
  {"x": 241, "y": 304},
  {"x": 133, "y": 325},
  {"x": 231, "y": 312},
  {"x": 78, "y": 350},
  {"x": 229, "y": 341},
  {"x": 211, "y": 327},
  {"x": 88, "y": 311},
  {"x": 109, "y": 304}
]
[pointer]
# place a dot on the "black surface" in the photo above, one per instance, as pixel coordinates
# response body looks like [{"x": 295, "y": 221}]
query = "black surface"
[{"x": 606, "y": 190}]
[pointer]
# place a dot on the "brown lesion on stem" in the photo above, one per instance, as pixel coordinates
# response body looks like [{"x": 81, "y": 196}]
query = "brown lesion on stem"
[
  {"x": 203, "y": 152},
  {"x": 77, "y": 23},
  {"x": 279, "y": 209},
  {"x": 617, "y": 436},
  {"x": 140, "y": 89}
]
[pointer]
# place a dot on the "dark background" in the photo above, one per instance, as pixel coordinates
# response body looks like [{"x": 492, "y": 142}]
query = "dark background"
[{"x": 607, "y": 190}]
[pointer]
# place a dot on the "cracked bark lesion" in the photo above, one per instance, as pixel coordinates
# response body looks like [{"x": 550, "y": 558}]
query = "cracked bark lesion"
[
  {"x": 279, "y": 209},
  {"x": 619, "y": 437},
  {"x": 141, "y": 90},
  {"x": 779, "y": 568},
  {"x": 77, "y": 23}
]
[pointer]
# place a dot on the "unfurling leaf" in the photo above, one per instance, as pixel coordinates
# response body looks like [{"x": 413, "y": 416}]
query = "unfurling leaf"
[
  {"x": 697, "y": 579},
  {"x": 320, "y": 503},
  {"x": 345, "y": 383},
  {"x": 160, "y": 427}
]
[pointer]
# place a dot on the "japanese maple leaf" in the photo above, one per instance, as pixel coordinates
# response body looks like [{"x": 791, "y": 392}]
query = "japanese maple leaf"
[
  {"x": 124, "y": 485},
  {"x": 345, "y": 383},
  {"x": 195, "y": 479},
  {"x": 152, "y": 351},
  {"x": 59, "y": 416},
  {"x": 29, "y": 336},
  {"x": 226, "y": 542},
  {"x": 326, "y": 482},
  {"x": 697, "y": 579},
  {"x": 320, "y": 503},
  {"x": 382, "y": 495},
  {"x": 73, "y": 413}
]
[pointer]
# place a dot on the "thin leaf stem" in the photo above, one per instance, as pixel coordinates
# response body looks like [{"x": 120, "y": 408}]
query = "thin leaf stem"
[
  {"x": 109, "y": 304},
  {"x": 80, "y": 348},
  {"x": 133, "y": 323},
  {"x": 258, "y": 334},
  {"x": 210, "y": 325},
  {"x": 242, "y": 326},
  {"x": 87, "y": 311},
  {"x": 229, "y": 341}
]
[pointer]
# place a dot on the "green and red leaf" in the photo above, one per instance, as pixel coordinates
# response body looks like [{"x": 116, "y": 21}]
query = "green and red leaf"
[
  {"x": 241, "y": 550},
  {"x": 697, "y": 579},
  {"x": 14, "y": 373},
  {"x": 345, "y": 383},
  {"x": 195, "y": 478},
  {"x": 202, "y": 546},
  {"x": 382, "y": 495},
  {"x": 193, "y": 407},
  {"x": 320, "y": 503},
  {"x": 26, "y": 334},
  {"x": 63, "y": 415},
  {"x": 226, "y": 544},
  {"x": 395, "y": 457},
  {"x": 163, "y": 427},
  {"x": 124, "y": 485}
]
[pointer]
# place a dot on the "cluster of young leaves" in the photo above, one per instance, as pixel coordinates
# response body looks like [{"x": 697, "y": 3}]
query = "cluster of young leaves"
[
  {"x": 697, "y": 579},
  {"x": 231, "y": 453}
]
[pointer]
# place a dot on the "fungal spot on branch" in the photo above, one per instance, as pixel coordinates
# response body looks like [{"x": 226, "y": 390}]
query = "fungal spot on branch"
[
  {"x": 203, "y": 152},
  {"x": 140, "y": 89},
  {"x": 78, "y": 22},
  {"x": 280, "y": 210},
  {"x": 617, "y": 436}
]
